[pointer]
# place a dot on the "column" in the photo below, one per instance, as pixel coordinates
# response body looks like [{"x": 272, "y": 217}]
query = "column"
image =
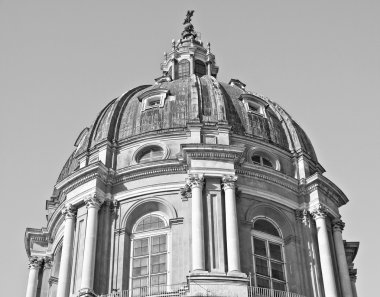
[
  {"x": 197, "y": 227},
  {"x": 345, "y": 283},
  {"x": 93, "y": 204},
  {"x": 232, "y": 234},
  {"x": 45, "y": 276},
  {"x": 35, "y": 264},
  {"x": 64, "y": 276},
  {"x": 319, "y": 216},
  {"x": 353, "y": 273}
]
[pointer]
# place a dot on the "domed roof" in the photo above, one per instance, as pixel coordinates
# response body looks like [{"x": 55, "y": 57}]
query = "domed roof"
[{"x": 189, "y": 93}]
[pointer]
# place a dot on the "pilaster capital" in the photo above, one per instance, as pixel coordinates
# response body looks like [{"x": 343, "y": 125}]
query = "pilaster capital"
[
  {"x": 93, "y": 201},
  {"x": 319, "y": 212},
  {"x": 195, "y": 180},
  {"x": 48, "y": 262},
  {"x": 353, "y": 274},
  {"x": 35, "y": 262},
  {"x": 69, "y": 211},
  {"x": 303, "y": 216},
  {"x": 338, "y": 225},
  {"x": 229, "y": 181}
]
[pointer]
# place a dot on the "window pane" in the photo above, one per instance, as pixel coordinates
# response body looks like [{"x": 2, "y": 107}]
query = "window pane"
[
  {"x": 268, "y": 163},
  {"x": 277, "y": 270},
  {"x": 259, "y": 246},
  {"x": 261, "y": 266},
  {"x": 139, "y": 286},
  {"x": 158, "y": 244},
  {"x": 265, "y": 226},
  {"x": 262, "y": 282},
  {"x": 150, "y": 223},
  {"x": 140, "y": 247},
  {"x": 158, "y": 264},
  {"x": 140, "y": 266},
  {"x": 256, "y": 159},
  {"x": 184, "y": 69},
  {"x": 200, "y": 68},
  {"x": 279, "y": 286},
  {"x": 275, "y": 251}
]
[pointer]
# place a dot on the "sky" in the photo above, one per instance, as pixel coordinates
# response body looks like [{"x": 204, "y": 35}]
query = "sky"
[{"x": 62, "y": 62}]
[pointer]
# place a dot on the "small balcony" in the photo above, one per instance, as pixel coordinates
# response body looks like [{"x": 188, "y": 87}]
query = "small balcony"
[{"x": 264, "y": 292}]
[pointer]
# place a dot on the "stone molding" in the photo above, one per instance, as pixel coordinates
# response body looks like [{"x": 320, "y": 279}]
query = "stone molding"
[
  {"x": 53, "y": 280},
  {"x": 93, "y": 201},
  {"x": 69, "y": 211},
  {"x": 35, "y": 262},
  {"x": 195, "y": 181},
  {"x": 319, "y": 212},
  {"x": 229, "y": 181},
  {"x": 338, "y": 225}
]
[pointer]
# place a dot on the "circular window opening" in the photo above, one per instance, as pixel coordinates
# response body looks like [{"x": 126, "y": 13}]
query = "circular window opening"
[
  {"x": 149, "y": 154},
  {"x": 260, "y": 160}
]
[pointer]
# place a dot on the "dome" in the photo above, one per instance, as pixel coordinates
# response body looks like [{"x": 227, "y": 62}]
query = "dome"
[
  {"x": 195, "y": 100},
  {"x": 190, "y": 187}
]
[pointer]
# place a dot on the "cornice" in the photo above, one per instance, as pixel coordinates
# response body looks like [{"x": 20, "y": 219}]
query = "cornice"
[
  {"x": 197, "y": 151},
  {"x": 34, "y": 234},
  {"x": 270, "y": 175},
  {"x": 127, "y": 174},
  {"x": 319, "y": 182}
]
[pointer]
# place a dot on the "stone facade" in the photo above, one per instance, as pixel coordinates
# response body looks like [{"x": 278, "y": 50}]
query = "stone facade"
[{"x": 192, "y": 187}]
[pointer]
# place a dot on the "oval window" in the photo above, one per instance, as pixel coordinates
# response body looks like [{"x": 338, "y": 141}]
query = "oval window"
[
  {"x": 260, "y": 160},
  {"x": 149, "y": 154}
]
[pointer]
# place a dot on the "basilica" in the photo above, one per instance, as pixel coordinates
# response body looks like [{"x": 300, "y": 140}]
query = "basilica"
[{"x": 192, "y": 187}]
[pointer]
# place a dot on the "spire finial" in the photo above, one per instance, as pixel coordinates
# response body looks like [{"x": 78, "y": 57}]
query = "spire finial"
[{"x": 188, "y": 30}]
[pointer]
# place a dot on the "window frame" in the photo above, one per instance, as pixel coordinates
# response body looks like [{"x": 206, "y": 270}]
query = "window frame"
[
  {"x": 268, "y": 238},
  {"x": 136, "y": 235}
]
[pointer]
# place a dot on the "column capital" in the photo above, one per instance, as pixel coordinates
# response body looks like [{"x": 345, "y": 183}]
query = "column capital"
[
  {"x": 319, "y": 212},
  {"x": 195, "y": 180},
  {"x": 338, "y": 225},
  {"x": 69, "y": 211},
  {"x": 93, "y": 201},
  {"x": 35, "y": 262},
  {"x": 353, "y": 274},
  {"x": 303, "y": 216},
  {"x": 48, "y": 262},
  {"x": 229, "y": 181}
]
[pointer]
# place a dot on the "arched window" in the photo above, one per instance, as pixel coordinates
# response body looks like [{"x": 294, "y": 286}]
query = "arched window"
[
  {"x": 149, "y": 253},
  {"x": 268, "y": 256},
  {"x": 263, "y": 161},
  {"x": 200, "y": 68},
  {"x": 150, "y": 153},
  {"x": 183, "y": 69}
]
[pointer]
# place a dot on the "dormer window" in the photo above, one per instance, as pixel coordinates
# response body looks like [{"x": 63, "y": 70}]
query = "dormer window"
[
  {"x": 154, "y": 98},
  {"x": 254, "y": 104}
]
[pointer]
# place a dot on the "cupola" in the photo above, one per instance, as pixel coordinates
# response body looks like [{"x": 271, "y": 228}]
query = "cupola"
[{"x": 188, "y": 56}]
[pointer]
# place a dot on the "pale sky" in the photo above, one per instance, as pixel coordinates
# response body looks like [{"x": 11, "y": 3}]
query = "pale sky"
[{"x": 62, "y": 62}]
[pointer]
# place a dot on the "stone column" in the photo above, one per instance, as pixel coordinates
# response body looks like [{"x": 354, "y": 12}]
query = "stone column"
[
  {"x": 327, "y": 268},
  {"x": 197, "y": 226},
  {"x": 65, "y": 268},
  {"x": 345, "y": 282},
  {"x": 353, "y": 273},
  {"x": 35, "y": 264},
  {"x": 93, "y": 204},
  {"x": 232, "y": 234},
  {"x": 45, "y": 276}
]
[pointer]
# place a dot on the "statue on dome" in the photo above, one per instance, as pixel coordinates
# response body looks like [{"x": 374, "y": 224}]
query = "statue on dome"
[{"x": 188, "y": 30}]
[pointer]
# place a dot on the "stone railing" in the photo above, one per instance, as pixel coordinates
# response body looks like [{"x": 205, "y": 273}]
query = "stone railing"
[
  {"x": 153, "y": 291},
  {"x": 264, "y": 292}
]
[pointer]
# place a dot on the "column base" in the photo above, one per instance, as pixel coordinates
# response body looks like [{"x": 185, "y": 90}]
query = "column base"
[
  {"x": 237, "y": 273},
  {"x": 86, "y": 293}
]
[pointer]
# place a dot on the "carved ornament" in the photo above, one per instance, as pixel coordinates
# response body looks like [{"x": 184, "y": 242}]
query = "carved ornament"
[
  {"x": 35, "y": 262},
  {"x": 93, "y": 201},
  {"x": 319, "y": 212},
  {"x": 48, "y": 262},
  {"x": 185, "y": 192},
  {"x": 338, "y": 225},
  {"x": 69, "y": 211},
  {"x": 195, "y": 180},
  {"x": 303, "y": 216},
  {"x": 228, "y": 182}
]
